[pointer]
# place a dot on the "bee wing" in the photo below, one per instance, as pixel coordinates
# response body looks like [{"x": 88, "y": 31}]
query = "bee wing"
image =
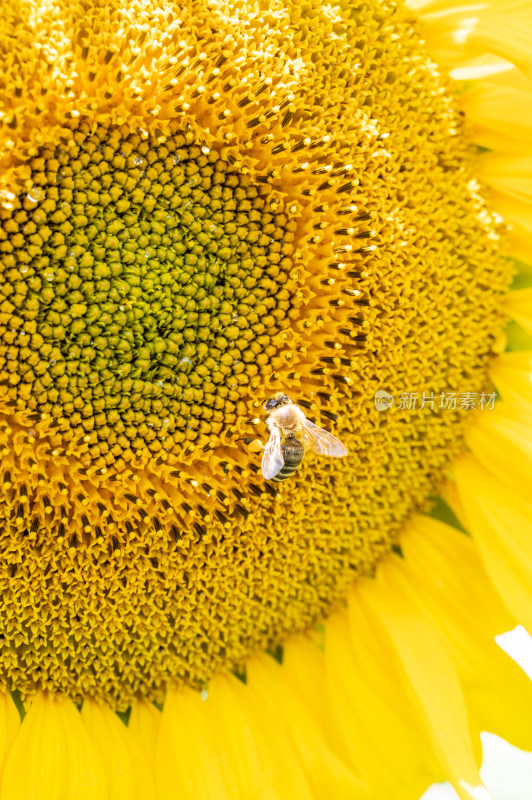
[
  {"x": 272, "y": 459},
  {"x": 320, "y": 441}
]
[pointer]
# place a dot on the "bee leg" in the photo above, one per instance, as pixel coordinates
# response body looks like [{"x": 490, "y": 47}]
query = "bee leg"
[{"x": 255, "y": 445}]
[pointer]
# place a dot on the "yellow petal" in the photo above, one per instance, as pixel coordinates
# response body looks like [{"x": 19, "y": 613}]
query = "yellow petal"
[
  {"x": 512, "y": 375},
  {"x": 237, "y": 752},
  {"x": 450, "y": 494},
  {"x": 516, "y": 213},
  {"x": 304, "y": 669},
  {"x": 500, "y": 520},
  {"x": 518, "y": 245},
  {"x": 327, "y": 775},
  {"x": 429, "y": 674},
  {"x": 379, "y": 723},
  {"x": 501, "y": 439},
  {"x": 129, "y": 776},
  {"x": 445, "y": 567},
  {"x": 9, "y": 726},
  {"x": 518, "y": 304},
  {"x": 253, "y": 737},
  {"x": 53, "y": 757},
  {"x": 501, "y": 113},
  {"x": 447, "y": 578},
  {"x": 509, "y": 174},
  {"x": 455, "y": 33},
  {"x": 225, "y": 744},
  {"x": 510, "y": 178},
  {"x": 144, "y": 723},
  {"x": 187, "y": 762},
  {"x": 490, "y": 69},
  {"x": 279, "y": 763}
]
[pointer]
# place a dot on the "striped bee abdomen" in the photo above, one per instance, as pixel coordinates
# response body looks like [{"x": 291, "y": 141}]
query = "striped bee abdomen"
[{"x": 293, "y": 452}]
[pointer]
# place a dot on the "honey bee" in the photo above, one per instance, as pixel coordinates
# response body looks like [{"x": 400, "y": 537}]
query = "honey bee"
[{"x": 291, "y": 433}]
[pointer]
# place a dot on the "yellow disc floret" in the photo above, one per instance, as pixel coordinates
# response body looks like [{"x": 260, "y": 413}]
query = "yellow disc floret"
[{"x": 201, "y": 205}]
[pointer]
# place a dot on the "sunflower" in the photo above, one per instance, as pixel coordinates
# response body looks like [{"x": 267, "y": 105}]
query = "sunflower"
[{"x": 202, "y": 204}]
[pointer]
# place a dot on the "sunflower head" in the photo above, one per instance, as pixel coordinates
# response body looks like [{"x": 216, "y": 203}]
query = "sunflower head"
[{"x": 203, "y": 208}]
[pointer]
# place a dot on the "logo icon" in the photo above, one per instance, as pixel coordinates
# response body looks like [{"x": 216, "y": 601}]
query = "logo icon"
[{"x": 383, "y": 400}]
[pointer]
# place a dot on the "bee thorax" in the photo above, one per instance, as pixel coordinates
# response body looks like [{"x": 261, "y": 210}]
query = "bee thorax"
[{"x": 286, "y": 418}]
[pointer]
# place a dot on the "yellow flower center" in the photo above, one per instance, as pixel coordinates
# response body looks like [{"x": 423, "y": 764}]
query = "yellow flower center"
[{"x": 273, "y": 201}]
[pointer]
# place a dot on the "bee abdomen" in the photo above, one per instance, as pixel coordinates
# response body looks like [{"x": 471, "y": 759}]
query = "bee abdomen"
[{"x": 293, "y": 452}]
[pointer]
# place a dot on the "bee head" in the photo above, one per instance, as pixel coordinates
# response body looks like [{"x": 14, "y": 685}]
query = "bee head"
[{"x": 276, "y": 401}]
